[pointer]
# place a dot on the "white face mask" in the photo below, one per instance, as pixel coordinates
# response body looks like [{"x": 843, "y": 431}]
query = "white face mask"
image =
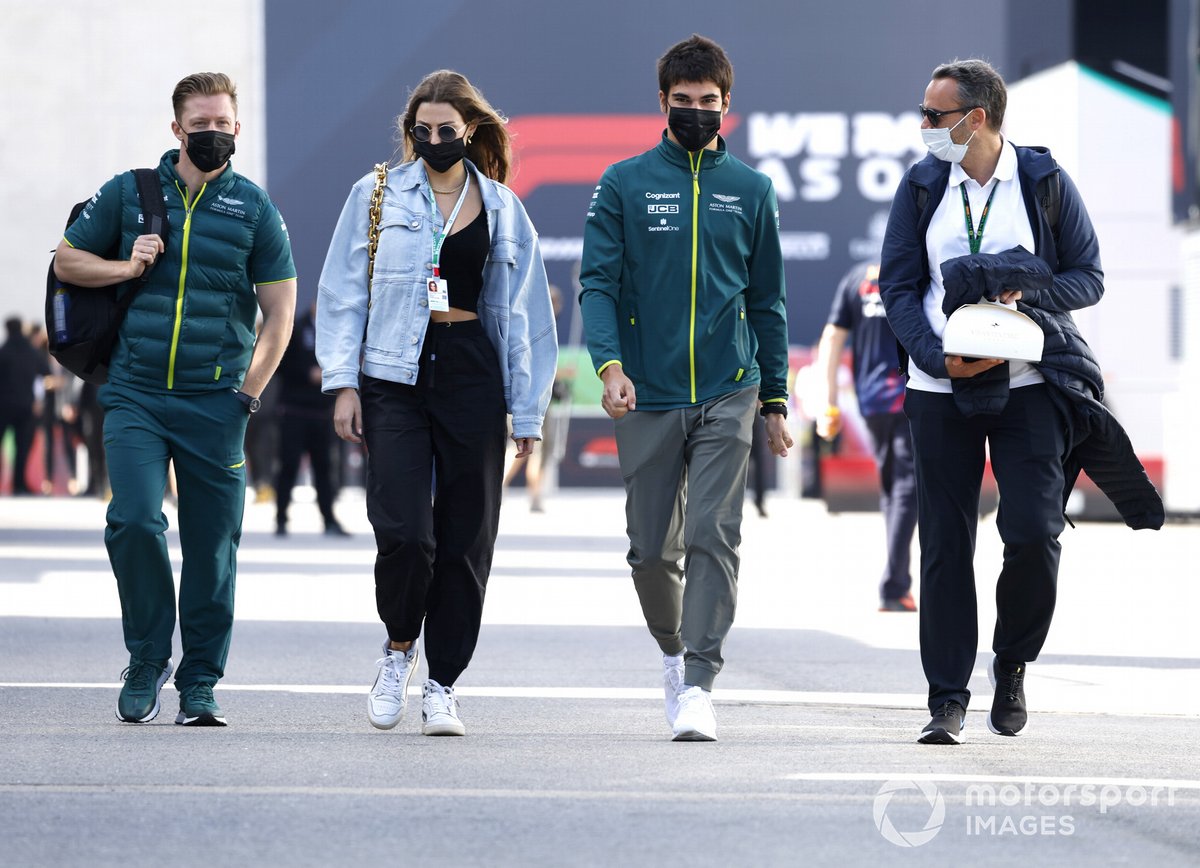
[{"x": 942, "y": 146}]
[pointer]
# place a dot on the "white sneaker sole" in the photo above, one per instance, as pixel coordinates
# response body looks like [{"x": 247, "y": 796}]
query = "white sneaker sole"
[
  {"x": 693, "y": 735},
  {"x": 941, "y": 736},
  {"x": 447, "y": 727},
  {"x": 1020, "y": 732},
  {"x": 200, "y": 720},
  {"x": 382, "y": 722}
]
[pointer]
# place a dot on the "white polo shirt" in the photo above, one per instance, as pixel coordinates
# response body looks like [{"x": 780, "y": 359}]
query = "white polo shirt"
[{"x": 1007, "y": 226}]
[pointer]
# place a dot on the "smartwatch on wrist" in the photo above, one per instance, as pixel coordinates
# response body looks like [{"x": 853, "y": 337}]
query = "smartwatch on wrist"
[
  {"x": 773, "y": 407},
  {"x": 251, "y": 403}
]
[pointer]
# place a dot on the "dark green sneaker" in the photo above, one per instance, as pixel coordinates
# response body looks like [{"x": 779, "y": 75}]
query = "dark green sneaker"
[
  {"x": 138, "y": 702},
  {"x": 198, "y": 708}
]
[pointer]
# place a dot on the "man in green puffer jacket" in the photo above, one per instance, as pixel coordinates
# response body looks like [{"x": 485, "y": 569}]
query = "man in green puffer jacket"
[
  {"x": 683, "y": 301},
  {"x": 183, "y": 380}
]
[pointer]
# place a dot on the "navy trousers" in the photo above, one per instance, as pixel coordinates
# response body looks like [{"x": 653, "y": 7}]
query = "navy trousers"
[
  {"x": 897, "y": 498},
  {"x": 1026, "y": 446}
]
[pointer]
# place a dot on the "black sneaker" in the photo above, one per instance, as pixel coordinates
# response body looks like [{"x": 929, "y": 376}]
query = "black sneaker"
[
  {"x": 1008, "y": 715},
  {"x": 335, "y": 529},
  {"x": 947, "y": 725}
]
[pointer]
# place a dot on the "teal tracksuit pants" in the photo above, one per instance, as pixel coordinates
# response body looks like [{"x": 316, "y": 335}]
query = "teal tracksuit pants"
[{"x": 203, "y": 436}]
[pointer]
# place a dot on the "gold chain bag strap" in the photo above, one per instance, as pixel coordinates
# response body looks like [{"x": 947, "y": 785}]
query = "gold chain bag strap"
[{"x": 375, "y": 213}]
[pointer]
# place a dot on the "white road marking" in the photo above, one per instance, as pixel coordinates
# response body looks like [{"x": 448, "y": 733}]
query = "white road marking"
[
  {"x": 901, "y": 775},
  {"x": 782, "y": 697},
  {"x": 360, "y": 556},
  {"x": 410, "y": 792},
  {"x": 897, "y": 701}
]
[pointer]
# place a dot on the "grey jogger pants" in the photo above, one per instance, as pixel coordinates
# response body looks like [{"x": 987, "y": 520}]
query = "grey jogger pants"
[{"x": 685, "y": 481}]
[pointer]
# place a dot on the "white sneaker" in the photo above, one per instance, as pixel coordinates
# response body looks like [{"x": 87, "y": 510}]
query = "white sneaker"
[
  {"x": 389, "y": 693},
  {"x": 672, "y": 685},
  {"x": 439, "y": 711},
  {"x": 695, "y": 720}
]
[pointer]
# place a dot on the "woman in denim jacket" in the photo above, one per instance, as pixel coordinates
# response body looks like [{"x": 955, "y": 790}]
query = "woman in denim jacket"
[{"x": 453, "y": 331}]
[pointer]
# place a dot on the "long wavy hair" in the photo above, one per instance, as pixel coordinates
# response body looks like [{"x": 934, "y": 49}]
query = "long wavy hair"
[{"x": 489, "y": 147}]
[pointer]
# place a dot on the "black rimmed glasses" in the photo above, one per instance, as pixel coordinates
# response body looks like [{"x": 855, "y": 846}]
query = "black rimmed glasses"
[
  {"x": 935, "y": 117},
  {"x": 446, "y": 132}
]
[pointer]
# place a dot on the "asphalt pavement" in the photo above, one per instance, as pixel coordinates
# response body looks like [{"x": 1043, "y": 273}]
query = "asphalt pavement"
[{"x": 568, "y": 758}]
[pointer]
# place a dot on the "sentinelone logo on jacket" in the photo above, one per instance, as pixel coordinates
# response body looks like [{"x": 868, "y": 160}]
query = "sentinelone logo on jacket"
[{"x": 803, "y": 153}]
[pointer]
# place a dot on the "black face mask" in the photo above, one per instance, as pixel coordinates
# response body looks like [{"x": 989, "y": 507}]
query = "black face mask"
[
  {"x": 442, "y": 156},
  {"x": 209, "y": 150},
  {"x": 693, "y": 128}
]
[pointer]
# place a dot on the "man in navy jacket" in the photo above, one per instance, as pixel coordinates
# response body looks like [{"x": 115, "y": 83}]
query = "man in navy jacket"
[{"x": 977, "y": 193}]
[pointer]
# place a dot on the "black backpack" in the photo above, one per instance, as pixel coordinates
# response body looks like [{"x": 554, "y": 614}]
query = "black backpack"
[{"x": 83, "y": 322}]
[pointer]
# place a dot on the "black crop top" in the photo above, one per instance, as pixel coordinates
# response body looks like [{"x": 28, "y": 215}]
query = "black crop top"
[{"x": 461, "y": 263}]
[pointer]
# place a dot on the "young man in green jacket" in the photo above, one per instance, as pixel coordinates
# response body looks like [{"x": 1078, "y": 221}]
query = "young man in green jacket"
[
  {"x": 184, "y": 378},
  {"x": 683, "y": 303}
]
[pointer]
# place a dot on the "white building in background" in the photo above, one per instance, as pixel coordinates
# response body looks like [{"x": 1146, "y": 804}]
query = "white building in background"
[
  {"x": 1151, "y": 366},
  {"x": 87, "y": 94}
]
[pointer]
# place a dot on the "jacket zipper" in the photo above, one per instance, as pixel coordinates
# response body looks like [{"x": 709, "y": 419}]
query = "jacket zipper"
[
  {"x": 695, "y": 167},
  {"x": 188, "y": 208}
]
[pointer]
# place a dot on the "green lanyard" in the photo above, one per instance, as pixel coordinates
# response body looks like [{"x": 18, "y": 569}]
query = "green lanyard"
[
  {"x": 973, "y": 238},
  {"x": 439, "y": 238}
]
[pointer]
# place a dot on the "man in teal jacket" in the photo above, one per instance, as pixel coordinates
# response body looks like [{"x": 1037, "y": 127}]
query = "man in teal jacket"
[
  {"x": 184, "y": 378},
  {"x": 683, "y": 303}
]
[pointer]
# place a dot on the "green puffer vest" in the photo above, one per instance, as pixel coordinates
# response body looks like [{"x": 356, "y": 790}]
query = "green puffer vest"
[{"x": 191, "y": 327}]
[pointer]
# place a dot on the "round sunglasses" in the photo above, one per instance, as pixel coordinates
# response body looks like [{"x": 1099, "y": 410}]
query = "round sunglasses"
[{"x": 446, "y": 132}]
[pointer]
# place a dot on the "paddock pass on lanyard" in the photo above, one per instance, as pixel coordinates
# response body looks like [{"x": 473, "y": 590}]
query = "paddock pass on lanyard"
[{"x": 439, "y": 292}]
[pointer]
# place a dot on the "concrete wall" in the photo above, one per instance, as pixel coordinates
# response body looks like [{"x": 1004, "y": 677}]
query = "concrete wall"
[{"x": 87, "y": 94}]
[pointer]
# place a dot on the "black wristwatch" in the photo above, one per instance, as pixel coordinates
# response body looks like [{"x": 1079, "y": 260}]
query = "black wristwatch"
[
  {"x": 773, "y": 407},
  {"x": 251, "y": 403}
]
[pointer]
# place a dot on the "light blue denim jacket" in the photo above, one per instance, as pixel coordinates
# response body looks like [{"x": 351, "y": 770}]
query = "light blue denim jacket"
[{"x": 514, "y": 305}]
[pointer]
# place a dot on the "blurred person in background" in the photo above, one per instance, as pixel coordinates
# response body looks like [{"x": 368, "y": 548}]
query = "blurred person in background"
[
  {"x": 857, "y": 317},
  {"x": 541, "y": 462},
  {"x": 22, "y": 371},
  {"x": 305, "y": 415},
  {"x": 56, "y": 419}
]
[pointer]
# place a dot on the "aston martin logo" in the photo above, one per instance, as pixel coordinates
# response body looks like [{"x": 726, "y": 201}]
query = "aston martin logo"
[{"x": 725, "y": 199}]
